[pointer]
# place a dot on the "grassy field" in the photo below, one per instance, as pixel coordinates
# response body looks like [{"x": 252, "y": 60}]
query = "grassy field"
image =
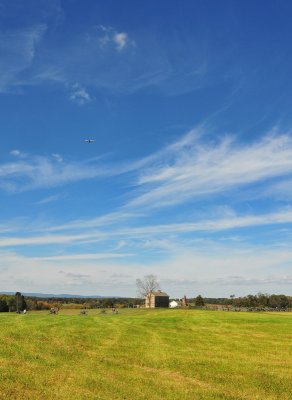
[{"x": 146, "y": 354}]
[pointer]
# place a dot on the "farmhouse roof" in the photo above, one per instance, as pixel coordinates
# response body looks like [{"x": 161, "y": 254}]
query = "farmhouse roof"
[{"x": 160, "y": 293}]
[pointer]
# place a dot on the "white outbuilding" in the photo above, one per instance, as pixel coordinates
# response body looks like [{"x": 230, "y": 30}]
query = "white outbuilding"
[{"x": 173, "y": 304}]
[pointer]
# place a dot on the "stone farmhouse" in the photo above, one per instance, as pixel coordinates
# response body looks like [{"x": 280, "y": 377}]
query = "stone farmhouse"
[{"x": 157, "y": 299}]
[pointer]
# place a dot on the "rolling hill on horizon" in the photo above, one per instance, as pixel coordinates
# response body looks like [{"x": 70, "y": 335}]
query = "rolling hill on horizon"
[{"x": 62, "y": 295}]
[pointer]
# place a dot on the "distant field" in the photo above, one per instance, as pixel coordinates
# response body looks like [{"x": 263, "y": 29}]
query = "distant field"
[{"x": 146, "y": 354}]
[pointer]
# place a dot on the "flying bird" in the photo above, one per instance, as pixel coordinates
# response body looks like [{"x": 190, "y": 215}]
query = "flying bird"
[{"x": 89, "y": 140}]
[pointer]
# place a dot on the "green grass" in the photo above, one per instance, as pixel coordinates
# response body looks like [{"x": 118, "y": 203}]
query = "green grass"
[{"x": 146, "y": 354}]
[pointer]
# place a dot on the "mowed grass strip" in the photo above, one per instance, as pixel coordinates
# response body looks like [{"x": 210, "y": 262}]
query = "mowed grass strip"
[{"x": 142, "y": 354}]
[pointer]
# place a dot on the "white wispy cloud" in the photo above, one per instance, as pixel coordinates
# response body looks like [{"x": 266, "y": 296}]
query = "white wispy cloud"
[
  {"x": 50, "y": 199},
  {"x": 31, "y": 172},
  {"x": 146, "y": 231},
  {"x": 190, "y": 168},
  {"x": 57, "y": 157},
  {"x": 15, "y": 153},
  {"x": 80, "y": 95},
  {"x": 84, "y": 257},
  {"x": 45, "y": 240},
  {"x": 280, "y": 190},
  {"x": 121, "y": 39},
  {"x": 18, "y": 48},
  {"x": 216, "y": 225},
  {"x": 100, "y": 59},
  {"x": 258, "y": 281},
  {"x": 207, "y": 168},
  {"x": 97, "y": 222},
  {"x": 37, "y": 274},
  {"x": 214, "y": 271},
  {"x": 111, "y": 36}
]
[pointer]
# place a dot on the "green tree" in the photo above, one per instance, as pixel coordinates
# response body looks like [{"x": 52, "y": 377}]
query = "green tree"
[
  {"x": 199, "y": 301},
  {"x": 3, "y": 306},
  {"x": 107, "y": 303},
  {"x": 31, "y": 304},
  {"x": 263, "y": 300},
  {"x": 11, "y": 302},
  {"x": 278, "y": 301},
  {"x": 20, "y": 302},
  {"x": 23, "y": 304}
]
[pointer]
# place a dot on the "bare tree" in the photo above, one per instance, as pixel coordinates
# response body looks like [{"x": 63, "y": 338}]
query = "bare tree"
[{"x": 147, "y": 286}]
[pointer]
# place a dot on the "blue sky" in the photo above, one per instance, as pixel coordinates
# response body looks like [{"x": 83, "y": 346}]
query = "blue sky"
[{"x": 190, "y": 177}]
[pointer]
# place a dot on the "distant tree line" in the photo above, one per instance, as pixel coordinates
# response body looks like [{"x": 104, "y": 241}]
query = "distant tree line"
[
  {"x": 13, "y": 303},
  {"x": 260, "y": 300},
  {"x": 17, "y": 302},
  {"x": 263, "y": 301}
]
